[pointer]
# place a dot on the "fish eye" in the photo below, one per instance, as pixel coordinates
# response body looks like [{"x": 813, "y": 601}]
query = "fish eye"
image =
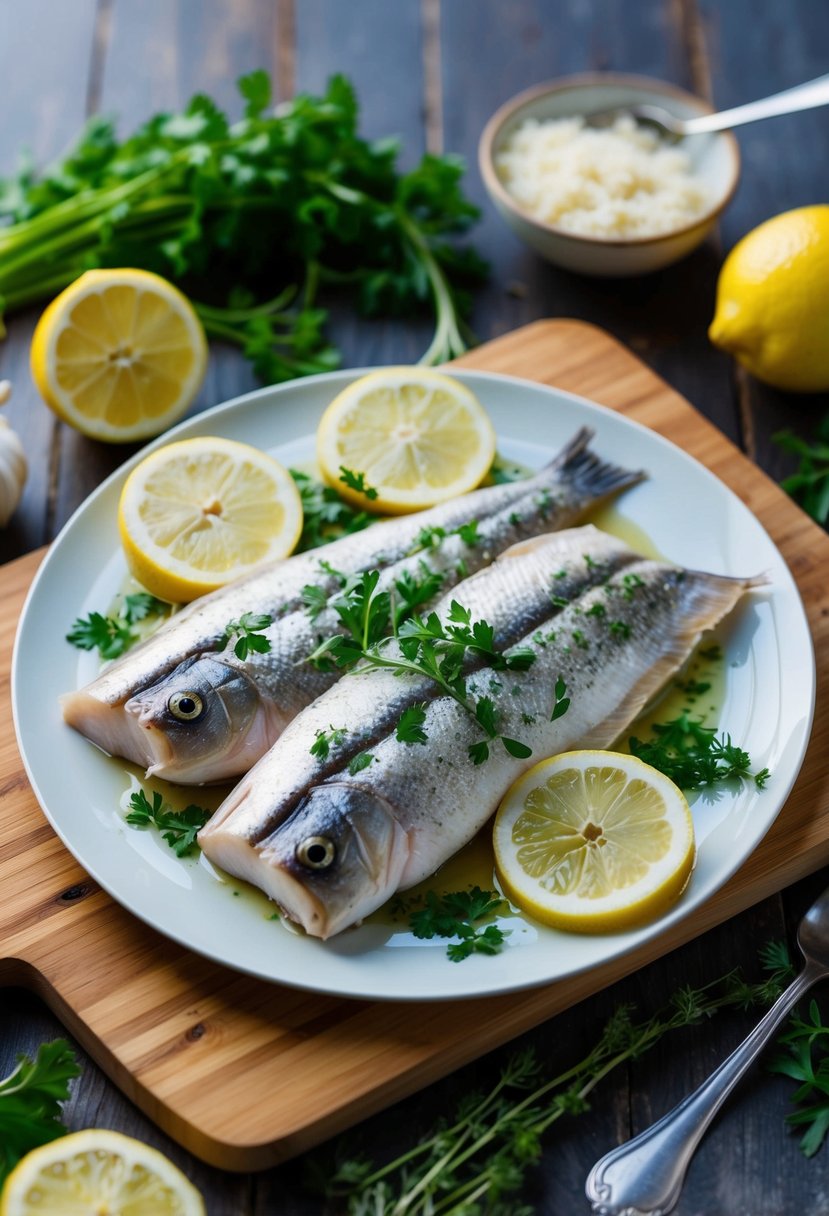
[
  {"x": 186, "y": 706},
  {"x": 316, "y": 853}
]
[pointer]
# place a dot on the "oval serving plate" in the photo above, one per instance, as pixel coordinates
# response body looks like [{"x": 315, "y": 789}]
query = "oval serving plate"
[{"x": 689, "y": 516}]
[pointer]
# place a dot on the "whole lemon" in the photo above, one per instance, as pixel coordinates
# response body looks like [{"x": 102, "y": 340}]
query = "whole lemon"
[{"x": 772, "y": 309}]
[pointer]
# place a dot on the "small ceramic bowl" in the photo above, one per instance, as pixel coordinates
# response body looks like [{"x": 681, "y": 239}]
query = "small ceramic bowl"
[{"x": 715, "y": 160}]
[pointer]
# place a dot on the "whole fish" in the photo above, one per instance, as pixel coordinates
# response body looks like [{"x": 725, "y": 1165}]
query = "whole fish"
[
  {"x": 515, "y": 595},
  {"x": 192, "y": 712},
  {"x": 351, "y": 839}
]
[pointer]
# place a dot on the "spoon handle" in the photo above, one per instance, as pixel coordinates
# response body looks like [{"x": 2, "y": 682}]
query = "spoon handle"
[
  {"x": 801, "y": 97},
  {"x": 644, "y": 1176}
]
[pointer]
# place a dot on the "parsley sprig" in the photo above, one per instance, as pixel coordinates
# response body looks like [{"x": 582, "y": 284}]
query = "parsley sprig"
[
  {"x": 248, "y": 634},
  {"x": 693, "y": 755},
  {"x": 112, "y": 636},
  {"x": 30, "y": 1102},
  {"x": 462, "y": 915},
  {"x": 357, "y": 483},
  {"x": 809, "y": 484},
  {"x": 804, "y": 1057},
  {"x": 325, "y": 516},
  {"x": 178, "y": 828},
  {"x": 324, "y": 740},
  {"x": 427, "y": 647}
]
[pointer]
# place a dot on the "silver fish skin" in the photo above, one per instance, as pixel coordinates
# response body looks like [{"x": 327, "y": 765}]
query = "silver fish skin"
[
  {"x": 237, "y": 709},
  {"x": 355, "y": 839},
  {"x": 514, "y": 595}
]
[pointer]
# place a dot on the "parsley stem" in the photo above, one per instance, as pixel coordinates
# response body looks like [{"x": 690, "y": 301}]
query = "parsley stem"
[{"x": 447, "y": 342}]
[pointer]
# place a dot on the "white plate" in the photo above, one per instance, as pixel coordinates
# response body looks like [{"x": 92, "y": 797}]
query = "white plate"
[{"x": 690, "y": 517}]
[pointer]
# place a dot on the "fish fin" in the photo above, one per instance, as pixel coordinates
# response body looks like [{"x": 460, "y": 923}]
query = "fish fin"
[
  {"x": 591, "y": 476},
  {"x": 713, "y": 596}
]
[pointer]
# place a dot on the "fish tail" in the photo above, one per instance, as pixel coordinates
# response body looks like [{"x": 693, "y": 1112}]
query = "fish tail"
[{"x": 592, "y": 477}]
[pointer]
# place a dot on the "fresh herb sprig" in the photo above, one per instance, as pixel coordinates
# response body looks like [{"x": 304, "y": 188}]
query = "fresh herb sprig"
[
  {"x": 30, "y": 1102},
  {"x": 196, "y": 198},
  {"x": 478, "y": 1160},
  {"x": 693, "y": 755},
  {"x": 178, "y": 828},
  {"x": 324, "y": 740},
  {"x": 427, "y": 647},
  {"x": 809, "y": 484},
  {"x": 357, "y": 483},
  {"x": 465, "y": 915},
  {"x": 803, "y": 1056},
  {"x": 112, "y": 636},
  {"x": 325, "y": 516},
  {"x": 248, "y": 634}
]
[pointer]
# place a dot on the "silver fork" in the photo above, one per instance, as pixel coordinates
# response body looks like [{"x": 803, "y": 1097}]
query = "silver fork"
[
  {"x": 801, "y": 97},
  {"x": 644, "y": 1176}
]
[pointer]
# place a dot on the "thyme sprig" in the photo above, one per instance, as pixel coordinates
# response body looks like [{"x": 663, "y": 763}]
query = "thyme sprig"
[{"x": 477, "y": 1161}]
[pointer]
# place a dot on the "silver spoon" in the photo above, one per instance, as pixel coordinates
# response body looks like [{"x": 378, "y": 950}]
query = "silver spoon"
[
  {"x": 801, "y": 97},
  {"x": 644, "y": 1176}
]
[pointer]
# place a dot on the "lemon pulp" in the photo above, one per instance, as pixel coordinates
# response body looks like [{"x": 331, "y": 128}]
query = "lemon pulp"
[
  {"x": 419, "y": 437},
  {"x": 593, "y": 841}
]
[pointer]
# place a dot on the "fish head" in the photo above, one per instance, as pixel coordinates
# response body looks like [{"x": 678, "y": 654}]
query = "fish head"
[
  {"x": 338, "y": 858},
  {"x": 195, "y": 721}
]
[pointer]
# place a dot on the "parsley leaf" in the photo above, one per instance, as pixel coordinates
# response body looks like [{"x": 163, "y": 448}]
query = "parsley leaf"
[
  {"x": 410, "y": 727},
  {"x": 809, "y": 484},
  {"x": 325, "y": 740},
  {"x": 247, "y": 631},
  {"x": 693, "y": 755},
  {"x": 562, "y": 702},
  {"x": 325, "y": 516},
  {"x": 30, "y": 1099},
  {"x": 460, "y": 914},
  {"x": 357, "y": 483},
  {"x": 178, "y": 828},
  {"x": 112, "y": 636},
  {"x": 359, "y": 762},
  {"x": 804, "y": 1057}
]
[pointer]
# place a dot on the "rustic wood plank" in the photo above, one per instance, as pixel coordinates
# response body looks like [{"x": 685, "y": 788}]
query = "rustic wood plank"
[{"x": 43, "y": 107}]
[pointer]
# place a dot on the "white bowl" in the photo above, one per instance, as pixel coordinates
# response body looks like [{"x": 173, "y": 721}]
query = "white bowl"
[{"x": 714, "y": 158}]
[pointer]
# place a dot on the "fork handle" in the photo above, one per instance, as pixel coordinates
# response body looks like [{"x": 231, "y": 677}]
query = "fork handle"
[
  {"x": 644, "y": 1176},
  {"x": 801, "y": 97}
]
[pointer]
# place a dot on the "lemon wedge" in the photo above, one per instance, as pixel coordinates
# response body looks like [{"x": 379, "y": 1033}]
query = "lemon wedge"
[
  {"x": 594, "y": 842},
  {"x": 418, "y": 437},
  {"x": 100, "y": 1172},
  {"x": 119, "y": 355},
  {"x": 199, "y": 513}
]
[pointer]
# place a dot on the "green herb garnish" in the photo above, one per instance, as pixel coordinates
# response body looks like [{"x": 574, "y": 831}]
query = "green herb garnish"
[
  {"x": 325, "y": 516},
  {"x": 113, "y": 635},
  {"x": 804, "y": 1057},
  {"x": 248, "y": 634},
  {"x": 326, "y": 739},
  {"x": 357, "y": 483},
  {"x": 693, "y": 755},
  {"x": 410, "y": 727},
  {"x": 809, "y": 484},
  {"x": 30, "y": 1101},
  {"x": 359, "y": 762},
  {"x": 178, "y": 828},
  {"x": 461, "y": 914}
]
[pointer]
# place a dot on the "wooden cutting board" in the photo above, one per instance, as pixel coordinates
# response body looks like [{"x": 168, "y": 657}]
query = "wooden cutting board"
[{"x": 245, "y": 1073}]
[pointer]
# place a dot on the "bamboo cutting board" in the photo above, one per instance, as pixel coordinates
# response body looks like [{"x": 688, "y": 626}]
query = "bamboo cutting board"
[{"x": 245, "y": 1073}]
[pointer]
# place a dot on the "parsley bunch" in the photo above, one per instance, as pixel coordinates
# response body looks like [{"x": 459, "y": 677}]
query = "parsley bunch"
[
  {"x": 113, "y": 635},
  {"x": 462, "y": 915},
  {"x": 178, "y": 828},
  {"x": 254, "y": 218}
]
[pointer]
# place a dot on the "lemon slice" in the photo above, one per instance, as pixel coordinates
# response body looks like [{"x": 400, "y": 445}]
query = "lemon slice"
[
  {"x": 99, "y": 1173},
  {"x": 417, "y": 436},
  {"x": 119, "y": 355},
  {"x": 199, "y": 513},
  {"x": 594, "y": 842}
]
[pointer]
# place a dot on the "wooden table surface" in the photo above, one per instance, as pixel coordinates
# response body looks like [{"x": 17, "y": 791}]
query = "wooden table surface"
[{"x": 433, "y": 72}]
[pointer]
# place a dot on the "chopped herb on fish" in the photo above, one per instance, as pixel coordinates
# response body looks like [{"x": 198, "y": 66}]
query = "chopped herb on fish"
[
  {"x": 620, "y": 630},
  {"x": 359, "y": 762},
  {"x": 315, "y": 599},
  {"x": 248, "y": 634},
  {"x": 469, "y": 533},
  {"x": 178, "y": 828},
  {"x": 597, "y": 609},
  {"x": 461, "y": 914},
  {"x": 357, "y": 483},
  {"x": 562, "y": 701},
  {"x": 325, "y": 516},
  {"x": 112, "y": 636},
  {"x": 430, "y": 538},
  {"x": 326, "y": 739},
  {"x": 410, "y": 727},
  {"x": 693, "y": 755}
]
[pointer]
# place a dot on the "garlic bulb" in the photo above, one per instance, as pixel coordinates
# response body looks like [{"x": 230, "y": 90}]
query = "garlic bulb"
[{"x": 12, "y": 464}]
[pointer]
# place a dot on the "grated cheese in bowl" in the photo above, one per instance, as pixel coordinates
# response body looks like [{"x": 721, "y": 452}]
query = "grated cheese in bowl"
[{"x": 620, "y": 181}]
